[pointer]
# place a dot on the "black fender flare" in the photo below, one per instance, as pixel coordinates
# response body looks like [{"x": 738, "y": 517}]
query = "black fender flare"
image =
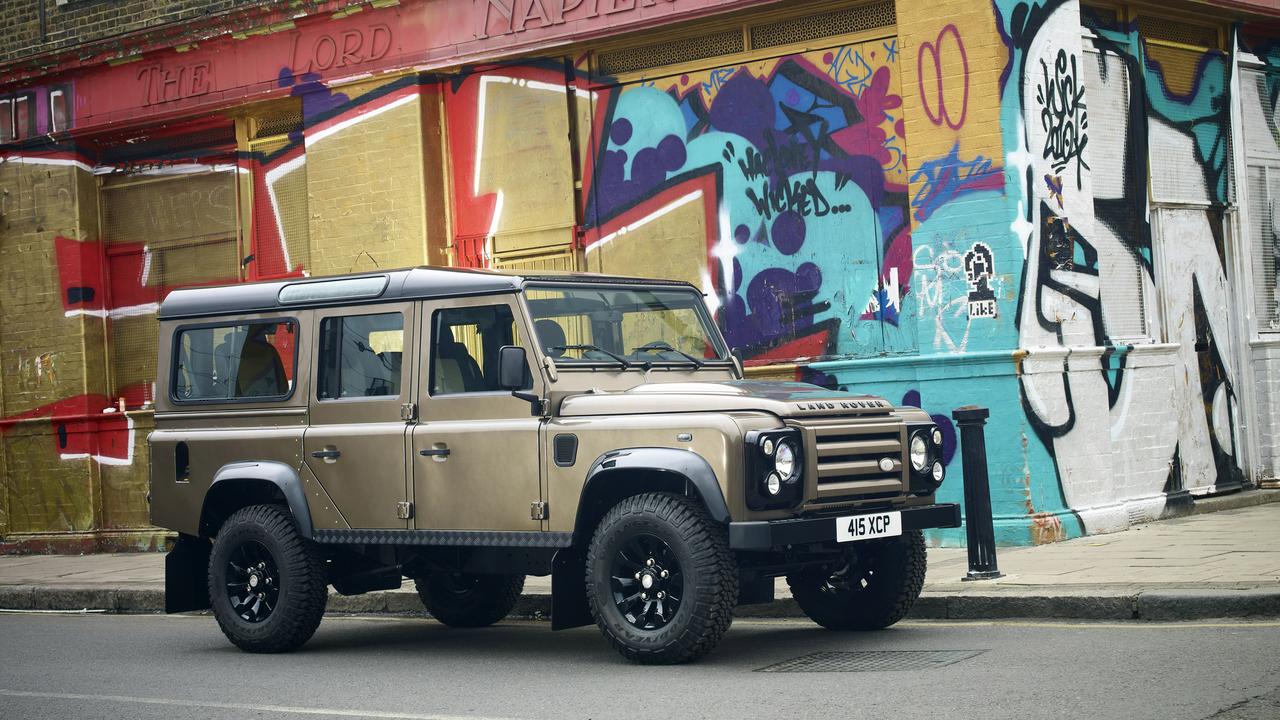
[
  {"x": 685, "y": 465},
  {"x": 282, "y": 476}
]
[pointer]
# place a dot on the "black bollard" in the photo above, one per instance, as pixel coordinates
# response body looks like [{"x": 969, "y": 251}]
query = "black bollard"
[{"x": 978, "y": 523}]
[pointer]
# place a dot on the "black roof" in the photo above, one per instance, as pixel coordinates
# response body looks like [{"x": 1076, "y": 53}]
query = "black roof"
[{"x": 403, "y": 284}]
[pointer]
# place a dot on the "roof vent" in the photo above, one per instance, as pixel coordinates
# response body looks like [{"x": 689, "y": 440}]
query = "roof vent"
[
  {"x": 811, "y": 27},
  {"x": 670, "y": 53}
]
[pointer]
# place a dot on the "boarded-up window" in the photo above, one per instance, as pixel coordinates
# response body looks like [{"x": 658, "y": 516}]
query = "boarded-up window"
[
  {"x": 1119, "y": 202},
  {"x": 162, "y": 231},
  {"x": 1258, "y": 95},
  {"x": 512, "y": 164}
]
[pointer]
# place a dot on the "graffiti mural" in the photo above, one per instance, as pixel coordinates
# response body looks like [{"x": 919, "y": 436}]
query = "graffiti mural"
[
  {"x": 809, "y": 254},
  {"x": 1086, "y": 117}
]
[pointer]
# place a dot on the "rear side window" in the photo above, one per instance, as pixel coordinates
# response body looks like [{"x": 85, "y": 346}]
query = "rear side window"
[
  {"x": 360, "y": 356},
  {"x": 252, "y": 361}
]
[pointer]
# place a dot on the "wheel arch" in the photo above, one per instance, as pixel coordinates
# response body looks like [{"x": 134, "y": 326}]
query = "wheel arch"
[
  {"x": 241, "y": 484},
  {"x": 622, "y": 473}
]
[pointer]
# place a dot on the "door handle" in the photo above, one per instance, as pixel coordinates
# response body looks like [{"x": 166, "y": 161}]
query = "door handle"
[
  {"x": 434, "y": 452},
  {"x": 327, "y": 454}
]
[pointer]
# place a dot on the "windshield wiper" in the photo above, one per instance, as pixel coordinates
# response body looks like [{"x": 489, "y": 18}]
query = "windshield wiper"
[
  {"x": 660, "y": 346},
  {"x": 626, "y": 364}
]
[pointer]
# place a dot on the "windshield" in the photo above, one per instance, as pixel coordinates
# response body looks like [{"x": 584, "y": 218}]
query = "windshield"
[{"x": 623, "y": 326}]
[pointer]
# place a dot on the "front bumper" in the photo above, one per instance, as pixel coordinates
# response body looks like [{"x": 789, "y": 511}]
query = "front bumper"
[{"x": 770, "y": 534}]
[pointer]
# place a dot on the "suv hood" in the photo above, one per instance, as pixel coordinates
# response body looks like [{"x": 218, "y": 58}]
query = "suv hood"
[{"x": 784, "y": 399}]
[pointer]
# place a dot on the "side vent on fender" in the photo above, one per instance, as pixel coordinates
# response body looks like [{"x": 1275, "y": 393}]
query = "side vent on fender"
[
  {"x": 182, "y": 463},
  {"x": 566, "y": 450}
]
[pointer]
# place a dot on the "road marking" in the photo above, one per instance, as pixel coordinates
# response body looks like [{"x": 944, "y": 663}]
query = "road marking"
[
  {"x": 83, "y": 611},
  {"x": 1135, "y": 624},
  {"x": 1086, "y": 624},
  {"x": 283, "y": 709}
]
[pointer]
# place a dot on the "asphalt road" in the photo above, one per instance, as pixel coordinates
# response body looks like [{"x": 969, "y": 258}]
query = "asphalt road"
[{"x": 100, "y": 666}]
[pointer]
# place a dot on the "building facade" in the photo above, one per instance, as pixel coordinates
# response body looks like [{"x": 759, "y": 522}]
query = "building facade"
[{"x": 1064, "y": 211}]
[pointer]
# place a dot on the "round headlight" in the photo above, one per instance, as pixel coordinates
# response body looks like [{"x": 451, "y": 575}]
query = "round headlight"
[
  {"x": 773, "y": 484},
  {"x": 784, "y": 460},
  {"x": 937, "y": 472},
  {"x": 937, "y": 436},
  {"x": 919, "y": 452}
]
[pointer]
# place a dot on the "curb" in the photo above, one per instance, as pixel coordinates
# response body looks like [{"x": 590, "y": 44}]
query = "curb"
[
  {"x": 1234, "y": 501},
  {"x": 1149, "y": 605}
]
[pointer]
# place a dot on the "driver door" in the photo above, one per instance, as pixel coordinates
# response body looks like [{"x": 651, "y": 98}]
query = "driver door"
[{"x": 475, "y": 451}]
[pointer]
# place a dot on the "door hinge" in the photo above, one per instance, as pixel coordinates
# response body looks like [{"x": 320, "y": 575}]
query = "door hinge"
[
  {"x": 409, "y": 412},
  {"x": 404, "y": 510},
  {"x": 537, "y": 511}
]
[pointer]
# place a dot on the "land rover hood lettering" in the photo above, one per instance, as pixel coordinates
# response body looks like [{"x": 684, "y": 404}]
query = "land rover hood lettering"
[{"x": 786, "y": 399}]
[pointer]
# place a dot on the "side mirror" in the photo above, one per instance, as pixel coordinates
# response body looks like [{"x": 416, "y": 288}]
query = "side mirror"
[
  {"x": 512, "y": 364},
  {"x": 513, "y": 369}
]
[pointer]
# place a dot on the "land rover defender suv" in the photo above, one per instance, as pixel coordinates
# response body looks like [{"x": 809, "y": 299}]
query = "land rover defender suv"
[{"x": 466, "y": 429}]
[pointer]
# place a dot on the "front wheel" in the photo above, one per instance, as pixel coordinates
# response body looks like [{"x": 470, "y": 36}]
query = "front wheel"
[
  {"x": 661, "y": 581},
  {"x": 873, "y": 587},
  {"x": 463, "y": 600},
  {"x": 266, "y": 582}
]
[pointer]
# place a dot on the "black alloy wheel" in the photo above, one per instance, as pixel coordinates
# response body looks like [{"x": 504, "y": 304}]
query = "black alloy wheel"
[
  {"x": 661, "y": 580},
  {"x": 253, "y": 582},
  {"x": 647, "y": 582},
  {"x": 267, "y": 584},
  {"x": 465, "y": 600},
  {"x": 874, "y": 586}
]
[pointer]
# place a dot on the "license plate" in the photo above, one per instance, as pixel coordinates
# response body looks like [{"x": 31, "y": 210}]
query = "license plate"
[{"x": 866, "y": 527}]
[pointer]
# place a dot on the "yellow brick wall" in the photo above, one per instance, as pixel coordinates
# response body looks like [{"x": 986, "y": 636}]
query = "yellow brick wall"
[
  {"x": 45, "y": 356},
  {"x": 955, "y": 40},
  {"x": 365, "y": 194}
]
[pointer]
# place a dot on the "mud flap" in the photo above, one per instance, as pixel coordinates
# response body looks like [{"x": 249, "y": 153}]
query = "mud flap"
[
  {"x": 755, "y": 590},
  {"x": 568, "y": 590},
  {"x": 186, "y": 575}
]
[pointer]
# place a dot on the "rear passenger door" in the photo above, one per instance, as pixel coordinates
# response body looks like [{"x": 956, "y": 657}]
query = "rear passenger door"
[{"x": 355, "y": 444}]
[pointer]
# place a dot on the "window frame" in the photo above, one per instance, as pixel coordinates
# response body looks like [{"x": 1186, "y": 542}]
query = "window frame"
[
  {"x": 703, "y": 312},
  {"x": 431, "y": 355},
  {"x": 255, "y": 400},
  {"x": 319, "y": 356}
]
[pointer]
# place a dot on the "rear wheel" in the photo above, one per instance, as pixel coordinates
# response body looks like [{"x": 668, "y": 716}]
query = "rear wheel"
[
  {"x": 266, "y": 582},
  {"x": 467, "y": 601},
  {"x": 661, "y": 581},
  {"x": 872, "y": 588}
]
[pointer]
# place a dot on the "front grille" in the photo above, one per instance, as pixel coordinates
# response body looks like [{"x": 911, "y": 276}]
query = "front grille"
[{"x": 847, "y": 453}]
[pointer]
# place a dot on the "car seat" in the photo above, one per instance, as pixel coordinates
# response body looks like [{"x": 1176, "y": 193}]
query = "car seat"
[
  {"x": 552, "y": 337},
  {"x": 455, "y": 370}
]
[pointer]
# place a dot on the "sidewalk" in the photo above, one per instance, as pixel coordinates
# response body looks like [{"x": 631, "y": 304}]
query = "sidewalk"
[{"x": 1222, "y": 564}]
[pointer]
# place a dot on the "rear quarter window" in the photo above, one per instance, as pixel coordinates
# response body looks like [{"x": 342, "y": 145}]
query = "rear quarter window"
[{"x": 244, "y": 362}]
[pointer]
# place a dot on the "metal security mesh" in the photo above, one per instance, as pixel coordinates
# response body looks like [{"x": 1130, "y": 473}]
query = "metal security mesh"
[
  {"x": 551, "y": 259},
  {"x": 871, "y": 661},
  {"x": 281, "y": 216},
  {"x": 162, "y": 232},
  {"x": 1155, "y": 28},
  {"x": 279, "y": 122},
  {"x": 671, "y": 53},
  {"x": 809, "y": 27}
]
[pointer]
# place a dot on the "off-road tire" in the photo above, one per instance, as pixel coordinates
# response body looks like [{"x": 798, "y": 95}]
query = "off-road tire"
[
  {"x": 710, "y": 578},
  {"x": 893, "y": 571},
  {"x": 302, "y": 584},
  {"x": 469, "y": 601}
]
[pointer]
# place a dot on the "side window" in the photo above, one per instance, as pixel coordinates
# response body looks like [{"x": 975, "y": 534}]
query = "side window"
[
  {"x": 360, "y": 356},
  {"x": 464, "y": 348},
  {"x": 249, "y": 361}
]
